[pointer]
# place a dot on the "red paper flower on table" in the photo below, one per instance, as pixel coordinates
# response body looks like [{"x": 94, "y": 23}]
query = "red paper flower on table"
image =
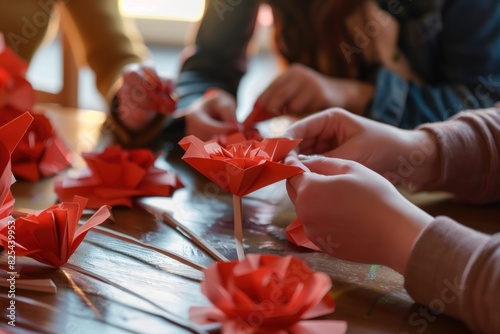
[
  {"x": 15, "y": 91},
  {"x": 267, "y": 294},
  {"x": 10, "y": 134},
  {"x": 242, "y": 167},
  {"x": 296, "y": 235},
  {"x": 40, "y": 153},
  {"x": 51, "y": 236},
  {"x": 115, "y": 176}
]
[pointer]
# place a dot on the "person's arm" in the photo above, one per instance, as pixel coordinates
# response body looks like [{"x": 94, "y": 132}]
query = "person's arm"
[
  {"x": 469, "y": 151},
  {"x": 468, "y": 69},
  {"x": 455, "y": 270},
  {"x": 110, "y": 42},
  {"x": 218, "y": 58}
]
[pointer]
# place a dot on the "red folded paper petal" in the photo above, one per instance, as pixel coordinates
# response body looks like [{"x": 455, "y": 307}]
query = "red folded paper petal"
[
  {"x": 51, "y": 236},
  {"x": 242, "y": 167},
  {"x": 265, "y": 294},
  {"x": 10, "y": 135},
  {"x": 115, "y": 176},
  {"x": 238, "y": 137},
  {"x": 295, "y": 234}
]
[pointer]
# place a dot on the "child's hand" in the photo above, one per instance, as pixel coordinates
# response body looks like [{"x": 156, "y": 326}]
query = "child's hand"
[
  {"x": 400, "y": 155},
  {"x": 142, "y": 95},
  {"x": 354, "y": 214},
  {"x": 212, "y": 114},
  {"x": 301, "y": 90}
]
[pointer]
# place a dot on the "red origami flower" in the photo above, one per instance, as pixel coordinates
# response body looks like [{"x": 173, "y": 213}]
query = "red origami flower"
[
  {"x": 10, "y": 134},
  {"x": 115, "y": 176},
  {"x": 267, "y": 294},
  {"x": 237, "y": 137},
  {"x": 40, "y": 153},
  {"x": 241, "y": 167},
  {"x": 51, "y": 236},
  {"x": 15, "y": 91}
]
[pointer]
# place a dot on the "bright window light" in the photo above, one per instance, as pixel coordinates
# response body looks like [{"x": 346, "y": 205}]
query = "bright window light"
[{"x": 181, "y": 10}]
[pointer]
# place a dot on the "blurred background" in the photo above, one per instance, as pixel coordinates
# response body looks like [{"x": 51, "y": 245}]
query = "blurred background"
[{"x": 166, "y": 26}]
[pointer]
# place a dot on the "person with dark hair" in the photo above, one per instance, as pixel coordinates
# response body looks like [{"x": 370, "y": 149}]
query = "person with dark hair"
[{"x": 399, "y": 62}]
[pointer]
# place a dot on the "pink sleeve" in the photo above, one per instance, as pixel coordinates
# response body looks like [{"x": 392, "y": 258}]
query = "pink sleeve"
[
  {"x": 455, "y": 270},
  {"x": 469, "y": 147}
]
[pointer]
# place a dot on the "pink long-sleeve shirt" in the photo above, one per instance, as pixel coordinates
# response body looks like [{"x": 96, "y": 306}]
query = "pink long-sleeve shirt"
[{"x": 452, "y": 268}]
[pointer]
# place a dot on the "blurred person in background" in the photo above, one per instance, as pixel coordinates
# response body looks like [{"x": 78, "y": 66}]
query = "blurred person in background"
[{"x": 399, "y": 62}]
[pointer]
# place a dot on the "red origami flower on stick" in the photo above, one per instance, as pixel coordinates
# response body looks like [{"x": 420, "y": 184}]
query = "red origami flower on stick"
[
  {"x": 10, "y": 134},
  {"x": 240, "y": 167},
  {"x": 51, "y": 236},
  {"x": 115, "y": 176},
  {"x": 267, "y": 294}
]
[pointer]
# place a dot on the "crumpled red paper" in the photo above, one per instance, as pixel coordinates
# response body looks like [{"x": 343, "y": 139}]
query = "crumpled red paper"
[
  {"x": 115, "y": 176},
  {"x": 40, "y": 152},
  {"x": 51, "y": 235},
  {"x": 10, "y": 135},
  {"x": 267, "y": 294},
  {"x": 242, "y": 167},
  {"x": 295, "y": 234}
]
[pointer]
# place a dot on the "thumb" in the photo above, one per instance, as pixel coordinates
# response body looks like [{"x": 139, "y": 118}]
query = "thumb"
[{"x": 325, "y": 166}]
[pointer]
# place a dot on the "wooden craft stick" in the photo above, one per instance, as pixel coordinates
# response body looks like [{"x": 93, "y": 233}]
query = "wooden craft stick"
[
  {"x": 132, "y": 240},
  {"x": 238, "y": 227},
  {"x": 165, "y": 313},
  {"x": 184, "y": 230},
  {"x": 38, "y": 285}
]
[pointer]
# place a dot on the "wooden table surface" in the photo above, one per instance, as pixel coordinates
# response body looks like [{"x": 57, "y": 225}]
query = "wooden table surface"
[{"x": 370, "y": 298}]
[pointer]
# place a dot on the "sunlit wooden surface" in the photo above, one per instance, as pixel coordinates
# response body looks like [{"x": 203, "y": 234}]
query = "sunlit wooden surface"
[{"x": 370, "y": 298}]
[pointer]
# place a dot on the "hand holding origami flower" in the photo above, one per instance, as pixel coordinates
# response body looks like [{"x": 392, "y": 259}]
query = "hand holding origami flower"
[
  {"x": 10, "y": 134},
  {"x": 51, "y": 236},
  {"x": 115, "y": 176},
  {"x": 267, "y": 294}
]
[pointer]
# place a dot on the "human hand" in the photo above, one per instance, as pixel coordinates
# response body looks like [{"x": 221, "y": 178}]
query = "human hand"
[
  {"x": 143, "y": 95},
  {"x": 352, "y": 213},
  {"x": 212, "y": 114},
  {"x": 301, "y": 90},
  {"x": 400, "y": 155}
]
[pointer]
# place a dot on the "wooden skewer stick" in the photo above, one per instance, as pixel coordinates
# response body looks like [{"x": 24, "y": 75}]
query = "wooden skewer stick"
[
  {"x": 132, "y": 240},
  {"x": 38, "y": 285},
  {"x": 184, "y": 230},
  {"x": 238, "y": 227}
]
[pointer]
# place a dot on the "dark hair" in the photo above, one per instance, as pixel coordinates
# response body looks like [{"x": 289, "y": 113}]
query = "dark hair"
[{"x": 311, "y": 32}]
